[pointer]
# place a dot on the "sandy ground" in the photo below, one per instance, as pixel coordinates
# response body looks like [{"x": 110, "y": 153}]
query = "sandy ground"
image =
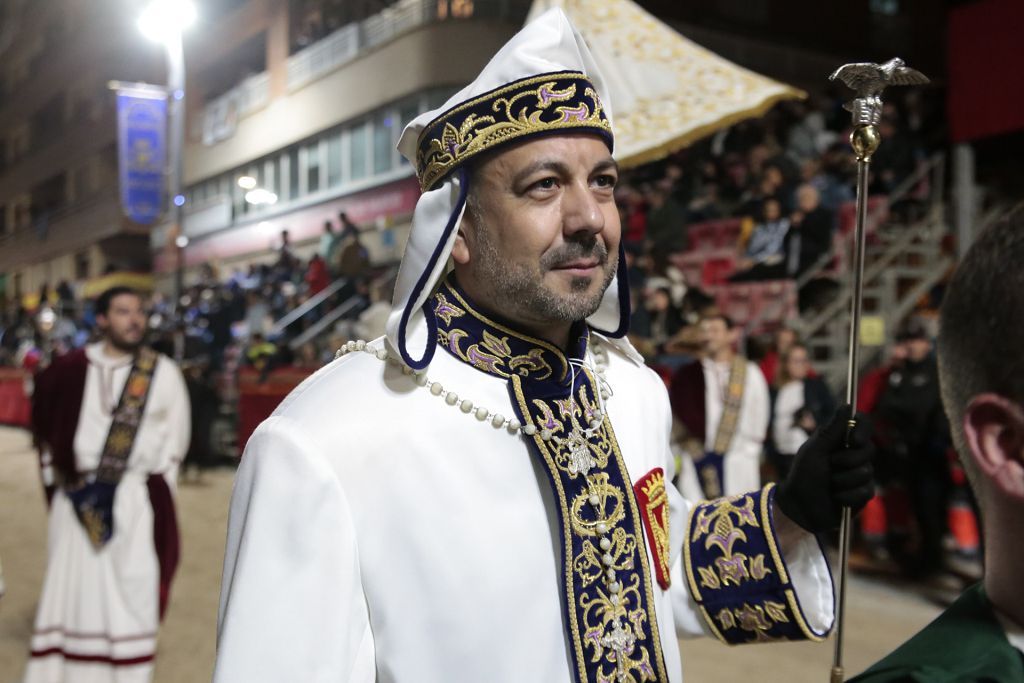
[{"x": 880, "y": 617}]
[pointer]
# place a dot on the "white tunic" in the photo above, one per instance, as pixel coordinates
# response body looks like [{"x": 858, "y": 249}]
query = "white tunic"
[
  {"x": 98, "y": 614},
  {"x": 789, "y": 437},
  {"x": 379, "y": 534},
  {"x": 742, "y": 462}
]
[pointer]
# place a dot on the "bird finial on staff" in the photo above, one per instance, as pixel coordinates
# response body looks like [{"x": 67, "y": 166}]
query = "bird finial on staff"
[{"x": 868, "y": 80}]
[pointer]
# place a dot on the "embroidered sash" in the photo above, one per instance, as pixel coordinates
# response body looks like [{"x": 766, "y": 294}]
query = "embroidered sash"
[
  {"x": 711, "y": 467},
  {"x": 607, "y": 584},
  {"x": 93, "y": 496}
]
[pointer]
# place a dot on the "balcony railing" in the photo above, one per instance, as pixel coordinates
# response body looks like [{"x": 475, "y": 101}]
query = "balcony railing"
[{"x": 221, "y": 116}]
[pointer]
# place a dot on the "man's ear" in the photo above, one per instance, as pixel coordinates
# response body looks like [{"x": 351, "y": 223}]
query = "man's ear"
[
  {"x": 460, "y": 250},
  {"x": 994, "y": 431}
]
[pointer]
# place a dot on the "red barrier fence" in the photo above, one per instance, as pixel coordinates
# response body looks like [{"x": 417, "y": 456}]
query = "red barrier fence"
[{"x": 15, "y": 406}]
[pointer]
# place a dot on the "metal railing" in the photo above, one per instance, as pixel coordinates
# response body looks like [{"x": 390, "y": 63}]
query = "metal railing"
[
  {"x": 321, "y": 325},
  {"x": 221, "y": 115},
  {"x": 307, "y": 306},
  {"x": 349, "y": 42}
]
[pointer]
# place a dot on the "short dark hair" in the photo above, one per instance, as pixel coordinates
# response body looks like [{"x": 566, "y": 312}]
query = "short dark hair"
[
  {"x": 981, "y": 335},
  {"x": 717, "y": 315},
  {"x": 102, "y": 306}
]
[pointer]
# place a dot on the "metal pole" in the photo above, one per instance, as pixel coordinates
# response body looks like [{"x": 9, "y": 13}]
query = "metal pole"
[
  {"x": 852, "y": 368},
  {"x": 176, "y": 116},
  {"x": 869, "y": 81},
  {"x": 963, "y": 182}
]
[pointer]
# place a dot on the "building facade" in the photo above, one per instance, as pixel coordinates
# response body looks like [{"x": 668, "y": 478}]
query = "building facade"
[
  {"x": 313, "y": 121},
  {"x": 59, "y": 214}
]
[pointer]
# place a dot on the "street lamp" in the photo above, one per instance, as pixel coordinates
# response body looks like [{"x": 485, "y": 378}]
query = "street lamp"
[{"x": 165, "y": 21}]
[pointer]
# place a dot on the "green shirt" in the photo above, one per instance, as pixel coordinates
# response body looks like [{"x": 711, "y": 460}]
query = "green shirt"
[{"x": 964, "y": 643}]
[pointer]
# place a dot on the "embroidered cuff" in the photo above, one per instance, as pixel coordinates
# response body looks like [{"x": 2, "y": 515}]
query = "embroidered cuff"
[{"x": 736, "y": 573}]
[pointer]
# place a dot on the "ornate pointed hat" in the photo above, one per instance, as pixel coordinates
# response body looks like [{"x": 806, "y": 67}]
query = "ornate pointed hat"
[{"x": 542, "y": 82}]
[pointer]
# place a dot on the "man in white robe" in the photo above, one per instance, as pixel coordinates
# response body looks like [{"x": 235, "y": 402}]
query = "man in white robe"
[
  {"x": 102, "y": 600},
  {"x": 480, "y": 495},
  {"x": 722, "y": 406}
]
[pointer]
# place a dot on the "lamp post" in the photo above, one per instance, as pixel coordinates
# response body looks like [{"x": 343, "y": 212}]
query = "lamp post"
[{"x": 165, "y": 21}]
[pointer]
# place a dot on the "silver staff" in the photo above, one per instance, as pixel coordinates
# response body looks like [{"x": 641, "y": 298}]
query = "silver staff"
[{"x": 868, "y": 81}]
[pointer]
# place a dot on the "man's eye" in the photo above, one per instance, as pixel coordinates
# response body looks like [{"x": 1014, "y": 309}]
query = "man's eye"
[
  {"x": 605, "y": 180},
  {"x": 545, "y": 184}
]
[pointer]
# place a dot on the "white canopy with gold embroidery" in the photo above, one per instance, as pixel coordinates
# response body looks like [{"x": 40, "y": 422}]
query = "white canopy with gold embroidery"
[{"x": 668, "y": 91}]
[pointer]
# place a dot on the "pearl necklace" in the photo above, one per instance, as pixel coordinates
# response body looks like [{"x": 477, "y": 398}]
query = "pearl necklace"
[{"x": 497, "y": 420}]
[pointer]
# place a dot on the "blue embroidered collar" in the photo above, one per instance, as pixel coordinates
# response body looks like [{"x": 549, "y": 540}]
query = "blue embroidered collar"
[{"x": 495, "y": 347}]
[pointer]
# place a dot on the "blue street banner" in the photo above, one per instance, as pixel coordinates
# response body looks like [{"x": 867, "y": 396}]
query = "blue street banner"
[{"x": 141, "y": 151}]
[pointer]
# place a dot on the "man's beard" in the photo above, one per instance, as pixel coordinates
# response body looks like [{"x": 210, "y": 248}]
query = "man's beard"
[
  {"x": 521, "y": 289},
  {"x": 122, "y": 344}
]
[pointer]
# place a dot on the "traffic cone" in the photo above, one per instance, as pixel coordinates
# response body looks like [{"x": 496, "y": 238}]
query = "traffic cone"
[
  {"x": 963, "y": 525},
  {"x": 873, "y": 524}
]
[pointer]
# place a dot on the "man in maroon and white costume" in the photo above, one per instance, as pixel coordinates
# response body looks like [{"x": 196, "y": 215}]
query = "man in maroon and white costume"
[{"x": 106, "y": 584}]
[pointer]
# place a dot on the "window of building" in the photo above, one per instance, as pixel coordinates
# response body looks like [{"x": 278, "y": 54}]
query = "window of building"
[
  {"x": 383, "y": 141},
  {"x": 272, "y": 175},
  {"x": 334, "y": 159},
  {"x": 358, "y": 157},
  {"x": 292, "y": 160},
  {"x": 312, "y": 154}
]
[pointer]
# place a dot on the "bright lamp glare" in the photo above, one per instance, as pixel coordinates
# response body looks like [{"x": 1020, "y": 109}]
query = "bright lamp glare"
[
  {"x": 247, "y": 182},
  {"x": 164, "y": 20},
  {"x": 260, "y": 196}
]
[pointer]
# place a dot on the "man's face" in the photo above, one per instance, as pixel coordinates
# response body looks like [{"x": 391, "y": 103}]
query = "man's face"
[
  {"x": 714, "y": 336},
  {"x": 918, "y": 349},
  {"x": 124, "y": 325},
  {"x": 540, "y": 241},
  {"x": 807, "y": 198}
]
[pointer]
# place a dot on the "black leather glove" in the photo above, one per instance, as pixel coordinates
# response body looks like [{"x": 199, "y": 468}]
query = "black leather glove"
[{"x": 827, "y": 476}]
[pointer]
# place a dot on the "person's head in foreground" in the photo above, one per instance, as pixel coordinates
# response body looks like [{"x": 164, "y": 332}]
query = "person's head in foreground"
[
  {"x": 981, "y": 371},
  {"x": 121, "y": 318},
  {"x": 981, "y": 365}
]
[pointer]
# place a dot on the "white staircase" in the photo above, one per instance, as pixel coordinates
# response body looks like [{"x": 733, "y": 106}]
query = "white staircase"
[{"x": 902, "y": 263}]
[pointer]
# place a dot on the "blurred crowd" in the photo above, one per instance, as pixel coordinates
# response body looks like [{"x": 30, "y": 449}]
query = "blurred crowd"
[
  {"x": 783, "y": 178},
  {"x": 244, "y": 312}
]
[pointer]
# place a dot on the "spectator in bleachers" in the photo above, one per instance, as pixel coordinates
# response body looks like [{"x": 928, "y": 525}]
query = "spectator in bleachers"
[
  {"x": 809, "y": 136},
  {"x": 256, "y": 312},
  {"x": 722, "y": 406},
  {"x": 896, "y": 159},
  {"x": 913, "y": 439},
  {"x": 800, "y": 402},
  {"x": 657, "y": 320},
  {"x": 706, "y": 204},
  {"x": 317, "y": 278},
  {"x": 769, "y": 363},
  {"x": 353, "y": 260},
  {"x": 834, "y": 176},
  {"x": 763, "y": 248},
  {"x": 633, "y": 214},
  {"x": 810, "y": 232},
  {"x": 284, "y": 267},
  {"x": 329, "y": 242},
  {"x": 666, "y": 220}
]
